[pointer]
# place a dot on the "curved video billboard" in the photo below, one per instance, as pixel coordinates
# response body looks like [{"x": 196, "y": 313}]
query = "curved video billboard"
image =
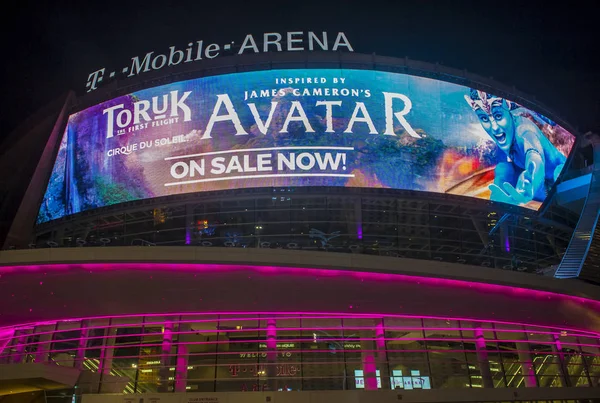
[{"x": 309, "y": 127}]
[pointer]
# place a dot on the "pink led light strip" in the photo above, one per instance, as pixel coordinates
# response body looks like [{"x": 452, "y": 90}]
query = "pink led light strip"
[
  {"x": 310, "y": 272},
  {"x": 283, "y": 329},
  {"x": 313, "y": 316},
  {"x": 6, "y": 333},
  {"x": 284, "y": 340}
]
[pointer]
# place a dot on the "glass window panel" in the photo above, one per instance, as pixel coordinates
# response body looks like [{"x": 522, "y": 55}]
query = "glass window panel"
[
  {"x": 447, "y": 358},
  {"x": 282, "y": 363},
  {"x": 39, "y": 343},
  {"x": 157, "y": 355},
  {"x": 591, "y": 354},
  {"x": 238, "y": 353},
  {"x": 198, "y": 341},
  {"x": 574, "y": 364},
  {"x": 19, "y": 345},
  {"x": 406, "y": 351},
  {"x": 323, "y": 351},
  {"x": 517, "y": 360},
  {"x": 362, "y": 332},
  {"x": 483, "y": 355},
  {"x": 64, "y": 347},
  {"x": 126, "y": 350},
  {"x": 546, "y": 359}
]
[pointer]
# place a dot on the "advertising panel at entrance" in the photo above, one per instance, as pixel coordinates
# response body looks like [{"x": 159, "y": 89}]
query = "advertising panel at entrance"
[{"x": 310, "y": 127}]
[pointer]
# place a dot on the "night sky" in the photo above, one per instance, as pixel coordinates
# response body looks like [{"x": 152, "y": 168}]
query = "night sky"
[{"x": 547, "y": 50}]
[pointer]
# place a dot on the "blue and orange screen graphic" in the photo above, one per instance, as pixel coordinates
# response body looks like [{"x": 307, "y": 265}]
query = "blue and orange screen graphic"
[{"x": 321, "y": 127}]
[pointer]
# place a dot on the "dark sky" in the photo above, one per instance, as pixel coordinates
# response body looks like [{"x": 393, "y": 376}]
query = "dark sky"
[{"x": 548, "y": 50}]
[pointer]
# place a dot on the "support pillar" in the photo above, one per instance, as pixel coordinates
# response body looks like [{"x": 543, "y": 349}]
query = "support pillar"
[
  {"x": 382, "y": 361},
  {"x": 559, "y": 359},
  {"x": 165, "y": 358},
  {"x": 182, "y": 358},
  {"x": 83, "y": 338},
  {"x": 369, "y": 365},
  {"x": 106, "y": 358},
  {"x": 43, "y": 349},
  {"x": 107, "y": 352},
  {"x": 271, "y": 367},
  {"x": 482, "y": 359},
  {"x": 526, "y": 365}
]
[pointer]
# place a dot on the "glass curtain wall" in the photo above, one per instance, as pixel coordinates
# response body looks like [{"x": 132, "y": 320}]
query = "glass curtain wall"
[
  {"x": 280, "y": 352},
  {"x": 385, "y": 225}
]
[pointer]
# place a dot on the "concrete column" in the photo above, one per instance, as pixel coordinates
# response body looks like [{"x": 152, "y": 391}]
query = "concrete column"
[
  {"x": 271, "y": 367},
  {"x": 369, "y": 365},
  {"x": 182, "y": 358},
  {"x": 107, "y": 352},
  {"x": 165, "y": 358},
  {"x": 83, "y": 338},
  {"x": 559, "y": 359},
  {"x": 43, "y": 348},
  {"x": 382, "y": 361},
  {"x": 526, "y": 365},
  {"x": 482, "y": 359}
]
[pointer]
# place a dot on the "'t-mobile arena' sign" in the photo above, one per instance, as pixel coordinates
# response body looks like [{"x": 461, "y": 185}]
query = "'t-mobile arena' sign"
[{"x": 294, "y": 41}]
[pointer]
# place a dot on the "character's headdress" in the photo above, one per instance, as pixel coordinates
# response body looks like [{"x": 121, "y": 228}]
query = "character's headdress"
[{"x": 482, "y": 100}]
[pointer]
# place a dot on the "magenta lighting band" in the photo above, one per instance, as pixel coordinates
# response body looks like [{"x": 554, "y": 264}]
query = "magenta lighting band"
[{"x": 488, "y": 288}]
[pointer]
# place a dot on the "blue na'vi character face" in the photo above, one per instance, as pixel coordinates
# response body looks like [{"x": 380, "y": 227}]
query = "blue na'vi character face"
[
  {"x": 495, "y": 117},
  {"x": 498, "y": 123}
]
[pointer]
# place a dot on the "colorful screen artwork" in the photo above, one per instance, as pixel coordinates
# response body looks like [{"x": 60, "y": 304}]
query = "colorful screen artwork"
[{"x": 310, "y": 127}]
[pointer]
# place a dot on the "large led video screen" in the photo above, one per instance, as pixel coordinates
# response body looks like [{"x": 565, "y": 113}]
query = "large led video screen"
[{"x": 309, "y": 127}]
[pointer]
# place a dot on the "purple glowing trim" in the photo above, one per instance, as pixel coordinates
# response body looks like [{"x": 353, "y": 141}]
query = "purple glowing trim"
[
  {"x": 579, "y": 332},
  {"x": 484, "y": 288},
  {"x": 510, "y": 291},
  {"x": 215, "y": 343},
  {"x": 477, "y": 332},
  {"x": 307, "y": 329},
  {"x": 313, "y": 315}
]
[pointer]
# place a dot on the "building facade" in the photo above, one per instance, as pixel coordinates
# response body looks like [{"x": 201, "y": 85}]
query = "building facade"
[{"x": 297, "y": 227}]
